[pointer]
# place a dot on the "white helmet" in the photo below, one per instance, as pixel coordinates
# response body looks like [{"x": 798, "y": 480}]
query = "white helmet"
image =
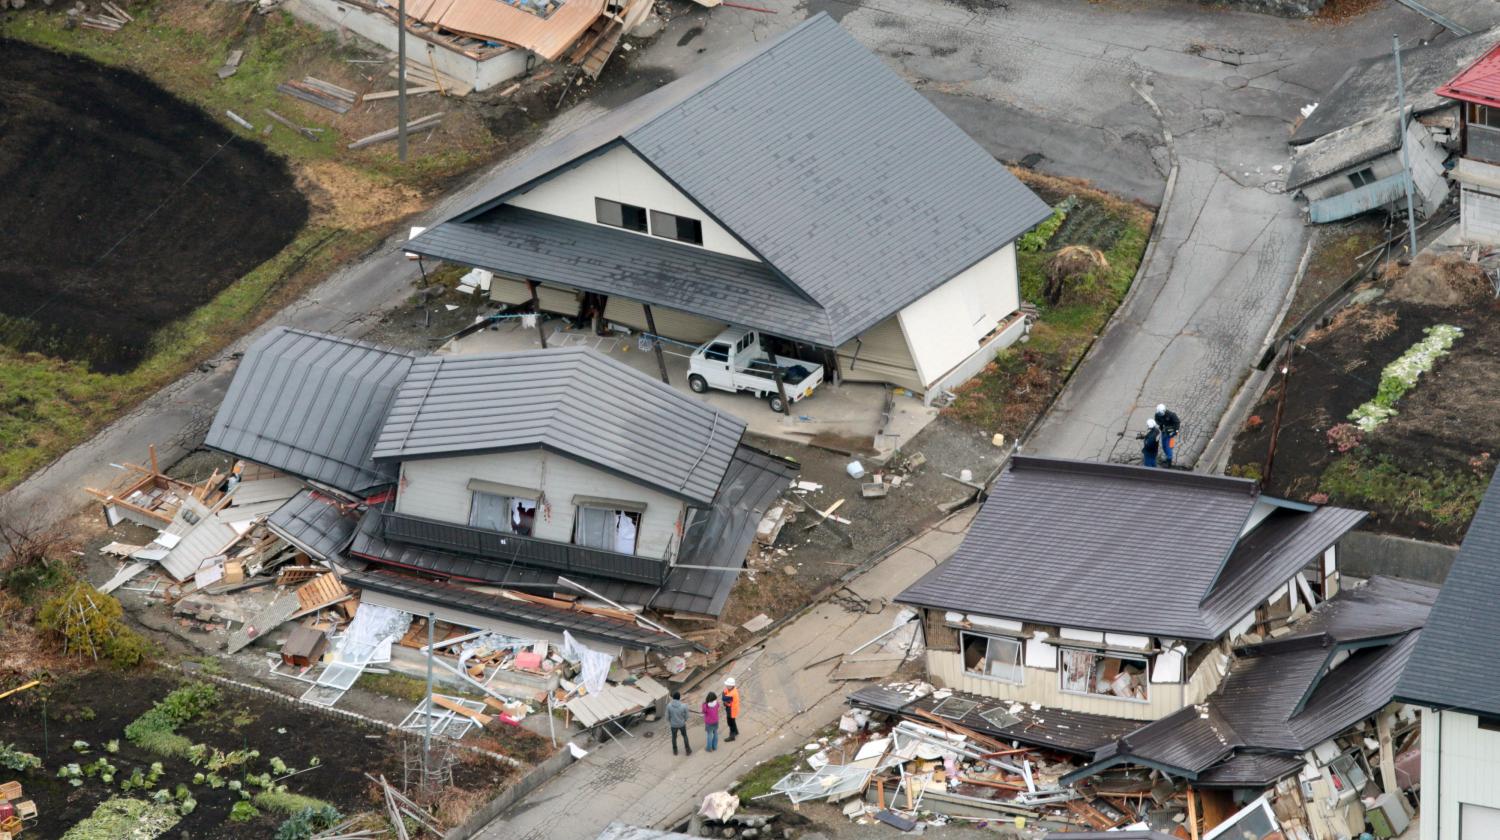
[
  {"x": 1161, "y": 408},
  {"x": 729, "y": 681},
  {"x": 1151, "y": 423}
]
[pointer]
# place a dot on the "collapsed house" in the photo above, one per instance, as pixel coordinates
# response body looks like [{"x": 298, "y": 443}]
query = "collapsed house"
[
  {"x": 538, "y": 506},
  {"x": 1454, "y": 677},
  {"x": 478, "y": 44},
  {"x": 1346, "y": 153},
  {"x": 1476, "y": 90},
  {"x": 1136, "y": 679},
  {"x": 804, "y": 191}
]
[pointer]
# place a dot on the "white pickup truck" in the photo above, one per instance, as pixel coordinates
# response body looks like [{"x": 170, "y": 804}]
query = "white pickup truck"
[{"x": 736, "y": 361}]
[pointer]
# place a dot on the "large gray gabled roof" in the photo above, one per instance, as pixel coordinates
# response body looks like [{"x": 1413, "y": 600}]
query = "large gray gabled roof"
[
  {"x": 310, "y": 405},
  {"x": 1123, "y": 548},
  {"x": 570, "y": 400},
  {"x": 1455, "y": 666},
  {"x": 811, "y": 151}
]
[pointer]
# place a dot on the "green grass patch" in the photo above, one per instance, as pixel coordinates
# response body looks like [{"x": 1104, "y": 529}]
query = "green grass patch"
[
  {"x": 156, "y": 729},
  {"x": 760, "y": 778},
  {"x": 123, "y": 818},
  {"x": 1013, "y": 389},
  {"x": 399, "y": 686},
  {"x": 1441, "y": 498}
]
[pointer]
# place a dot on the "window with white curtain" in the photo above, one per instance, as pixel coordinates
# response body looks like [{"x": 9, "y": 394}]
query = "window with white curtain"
[
  {"x": 610, "y": 530},
  {"x": 506, "y": 514}
]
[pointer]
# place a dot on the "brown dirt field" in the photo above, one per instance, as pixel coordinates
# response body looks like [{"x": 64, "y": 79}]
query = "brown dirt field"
[
  {"x": 127, "y": 208},
  {"x": 1436, "y": 442}
]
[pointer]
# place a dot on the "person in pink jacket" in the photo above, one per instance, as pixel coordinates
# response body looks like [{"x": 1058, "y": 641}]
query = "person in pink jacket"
[{"x": 711, "y": 721}]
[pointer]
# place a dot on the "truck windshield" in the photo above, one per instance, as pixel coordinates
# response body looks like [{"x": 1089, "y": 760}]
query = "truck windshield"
[{"x": 717, "y": 352}]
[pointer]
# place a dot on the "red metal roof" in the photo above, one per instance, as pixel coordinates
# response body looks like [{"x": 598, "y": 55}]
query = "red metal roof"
[{"x": 1479, "y": 82}]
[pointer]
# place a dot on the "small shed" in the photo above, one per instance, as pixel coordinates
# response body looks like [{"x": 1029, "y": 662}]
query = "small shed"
[{"x": 304, "y": 646}]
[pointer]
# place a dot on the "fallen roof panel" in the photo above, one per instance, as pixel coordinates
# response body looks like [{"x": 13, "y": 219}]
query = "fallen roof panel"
[
  {"x": 310, "y": 405},
  {"x": 315, "y": 523}
]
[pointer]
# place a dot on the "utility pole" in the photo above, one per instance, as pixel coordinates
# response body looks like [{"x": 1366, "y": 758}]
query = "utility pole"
[
  {"x": 401, "y": 91},
  {"x": 1411, "y": 210},
  {"x": 427, "y": 732}
]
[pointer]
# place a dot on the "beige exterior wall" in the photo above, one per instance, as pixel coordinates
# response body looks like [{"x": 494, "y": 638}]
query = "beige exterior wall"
[
  {"x": 881, "y": 354},
  {"x": 948, "y": 325},
  {"x": 672, "y": 323},
  {"x": 1460, "y": 765},
  {"x": 438, "y": 488},
  {"x": 620, "y": 175},
  {"x": 946, "y": 668}
]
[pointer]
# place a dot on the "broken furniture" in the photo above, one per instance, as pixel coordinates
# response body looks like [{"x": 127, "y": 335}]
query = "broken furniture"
[{"x": 304, "y": 646}]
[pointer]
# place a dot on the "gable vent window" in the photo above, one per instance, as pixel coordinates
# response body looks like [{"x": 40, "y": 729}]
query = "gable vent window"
[
  {"x": 680, "y": 228},
  {"x": 615, "y": 214},
  {"x": 1362, "y": 177}
]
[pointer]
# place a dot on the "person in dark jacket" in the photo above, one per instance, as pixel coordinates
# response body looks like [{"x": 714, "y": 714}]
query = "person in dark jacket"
[
  {"x": 1151, "y": 446},
  {"x": 1169, "y": 425},
  {"x": 677, "y": 715}
]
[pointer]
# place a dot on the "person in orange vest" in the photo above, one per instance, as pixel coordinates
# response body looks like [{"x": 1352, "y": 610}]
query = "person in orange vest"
[{"x": 731, "y": 701}]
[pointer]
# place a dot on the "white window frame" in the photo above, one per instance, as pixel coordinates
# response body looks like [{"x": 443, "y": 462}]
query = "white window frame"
[
  {"x": 1018, "y": 665},
  {"x": 636, "y": 516},
  {"x": 506, "y": 501},
  {"x": 1062, "y": 672}
]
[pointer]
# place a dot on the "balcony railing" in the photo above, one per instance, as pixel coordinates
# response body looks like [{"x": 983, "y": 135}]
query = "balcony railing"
[
  {"x": 1484, "y": 143},
  {"x": 525, "y": 551}
]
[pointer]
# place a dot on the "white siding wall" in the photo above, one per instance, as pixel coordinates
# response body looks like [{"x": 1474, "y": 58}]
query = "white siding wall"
[
  {"x": 947, "y": 325},
  {"x": 1460, "y": 764},
  {"x": 438, "y": 488},
  {"x": 620, "y": 175},
  {"x": 946, "y": 668},
  {"x": 1479, "y": 209}
]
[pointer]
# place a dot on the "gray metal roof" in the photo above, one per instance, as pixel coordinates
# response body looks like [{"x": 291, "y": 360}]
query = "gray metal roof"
[
  {"x": 1368, "y": 87},
  {"x": 818, "y": 157},
  {"x": 1344, "y": 149},
  {"x": 753, "y": 482},
  {"x": 310, "y": 405},
  {"x": 582, "y": 624},
  {"x": 1249, "y": 770},
  {"x": 570, "y": 400},
  {"x": 549, "y": 249},
  {"x": 1455, "y": 665},
  {"x": 1079, "y": 544},
  {"x": 315, "y": 524},
  {"x": 1278, "y": 548}
]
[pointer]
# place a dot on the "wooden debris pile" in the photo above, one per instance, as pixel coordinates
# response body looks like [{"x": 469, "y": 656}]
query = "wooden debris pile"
[
  {"x": 108, "y": 18},
  {"x": 320, "y": 93}
]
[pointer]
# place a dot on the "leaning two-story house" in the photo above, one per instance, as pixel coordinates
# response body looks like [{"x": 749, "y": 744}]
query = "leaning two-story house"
[
  {"x": 1477, "y": 91},
  {"x": 480, "y": 486},
  {"x": 1455, "y": 677},
  {"x": 803, "y": 190}
]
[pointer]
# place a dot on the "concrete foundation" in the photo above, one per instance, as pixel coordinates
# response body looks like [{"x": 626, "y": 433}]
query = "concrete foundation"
[{"x": 1364, "y": 554}]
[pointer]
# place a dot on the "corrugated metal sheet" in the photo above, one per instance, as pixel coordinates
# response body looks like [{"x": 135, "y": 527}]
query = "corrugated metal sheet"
[
  {"x": 569, "y": 400},
  {"x": 1076, "y": 544},
  {"x": 310, "y": 405},
  {"x": 1479, "y": 82},
  {"x": 1371, "y": 196},
  {"x": 817, "y": 156},
  {"x": 495, "y": 20},
  {"x": 1455, "y": 664},
  {"x": 584, "y": 625},
  {"x": 596, "y": 258},
  {"x": 314, "y": 524}
]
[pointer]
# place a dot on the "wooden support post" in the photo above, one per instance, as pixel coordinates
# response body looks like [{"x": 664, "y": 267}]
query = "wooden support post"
[
  {"x": 1387, "y": 753},
  {"x": 155, "y": 470},
  {"x": 536, "y": 306},
  {"x": 1192, "y": 817},
  {"x": 661, "y": 363},
  {"x": 786, "y": 404}
]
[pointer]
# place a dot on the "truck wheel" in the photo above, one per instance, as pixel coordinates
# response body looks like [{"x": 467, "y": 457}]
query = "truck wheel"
[
  {"x": 698, "y": 384},
  {"x": 776, "y": 404}
]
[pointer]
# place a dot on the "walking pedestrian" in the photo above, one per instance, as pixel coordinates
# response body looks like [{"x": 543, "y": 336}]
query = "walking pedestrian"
[
  {"x": 711, "y": 722},
  {"x": 1169, "y": 424},
  {"x": 1151, "y": 446},
  {"x": 731, "y": 708},
  {"x": 677, "y": 715}
]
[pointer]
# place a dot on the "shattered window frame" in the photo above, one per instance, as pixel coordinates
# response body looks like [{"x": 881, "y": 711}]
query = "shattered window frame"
[
  {"x": 1064, "y": 669},
  {"x": 1017, "y": 662}
]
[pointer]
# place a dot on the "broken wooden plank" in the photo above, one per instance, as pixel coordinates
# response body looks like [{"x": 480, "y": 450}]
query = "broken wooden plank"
[
  {"x": 231, "y": 64},
  {"x": 422, "y": 123},
  {"x": 392, "y": 94},
  {"x": 825, "y": 515},
  {"x": 313, "y": 96},
  {"x": 331, "y": 89},
  {"x": 321, "y": 591},
  {"x": 459, "y": 708},
  {"x": 305, "y": 132},
  {"x": 124, "y": 15}
]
